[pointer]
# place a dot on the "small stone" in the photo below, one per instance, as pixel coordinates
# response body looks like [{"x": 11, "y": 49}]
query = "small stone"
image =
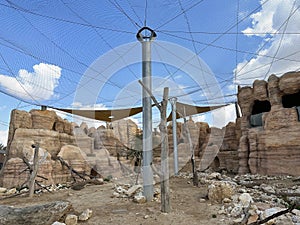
[
  {"x": 3, "y": 190},
  {"x": 146, "y": 216},
  {"x": 115, "y": 195},
  {"x": 202, "y": 200},
  {"x": 58, "y": 223},
  {"x": 71, "y": 219},
  {"x": 11, "y": 191},
  {"x": 85, "y": 215},
  {"x": 156, "y": 192},
  {"x": 226, "y": 200},
  {"x": 139, "y": 199},
  {"x": 221, "y": 211},
  {"x": 296, "y": 212},
  {"x": 242, "y": 190},
  {"x": 245, "y": 199},
  {"x": 98, "y": 181},
  {"x": 133, "y": 190},
  {"x": 214, "y": 175},
  {"x": 120, "y": 190},
  {"x": 252, "y": 218},
  {"x": 23, "y": 190},
  {"x": 267, "y": 189}
]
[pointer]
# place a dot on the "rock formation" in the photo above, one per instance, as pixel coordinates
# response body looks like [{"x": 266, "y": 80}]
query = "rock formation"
[
  {"x": 265, "y": 140},
  {"x": 270, "y": 126},
  {"x": 50, "y": 132},
  {"x": 56, "y": 137}
]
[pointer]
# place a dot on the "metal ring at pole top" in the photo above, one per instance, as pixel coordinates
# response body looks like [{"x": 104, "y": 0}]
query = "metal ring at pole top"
[{"x": 143, "y": 38}]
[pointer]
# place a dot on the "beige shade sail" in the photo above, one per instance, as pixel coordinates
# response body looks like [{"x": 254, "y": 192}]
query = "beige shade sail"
[
  {"x": 182, "y": 110},
  {"x": 104, "y": 115}
]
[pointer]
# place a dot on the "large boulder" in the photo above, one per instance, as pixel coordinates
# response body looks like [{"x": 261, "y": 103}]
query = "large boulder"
[
  {"x": 219, "y": 190},
  {"x": 37, "y": 214}
]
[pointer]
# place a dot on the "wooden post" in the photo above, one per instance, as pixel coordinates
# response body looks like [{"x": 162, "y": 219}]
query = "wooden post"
[
  {"x": 164, "y": 184},
  {"x": 35, "y": 167}
]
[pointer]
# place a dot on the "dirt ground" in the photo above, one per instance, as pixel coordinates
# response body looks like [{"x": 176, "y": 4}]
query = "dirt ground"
[{"x": 186, "y": 207}]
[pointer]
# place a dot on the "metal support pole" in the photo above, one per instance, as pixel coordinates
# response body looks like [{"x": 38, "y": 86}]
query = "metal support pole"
[
  {"x": 174, "y": 124},
  {"x": 147, "y": 110}
]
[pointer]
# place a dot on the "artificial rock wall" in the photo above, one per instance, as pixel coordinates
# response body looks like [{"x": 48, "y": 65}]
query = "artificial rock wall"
[
  {"x": 272, "y": 147},
  {"x": 83, "y": 148},
  {"x": 55, "y": 138}
]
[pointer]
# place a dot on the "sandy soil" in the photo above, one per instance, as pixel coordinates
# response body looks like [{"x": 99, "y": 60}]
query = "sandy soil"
[{"x": 185, "y": 205}]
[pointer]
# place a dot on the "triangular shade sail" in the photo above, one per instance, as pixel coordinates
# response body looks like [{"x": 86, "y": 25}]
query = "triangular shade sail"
[
  {"x": 104, "y": 115},
  {"x": 183, "y": 110}
]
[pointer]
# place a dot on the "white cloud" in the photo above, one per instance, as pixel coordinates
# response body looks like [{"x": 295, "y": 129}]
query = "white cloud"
[
  {"x": 39, "y": 84},
  {"x": 3, "y": 137},
  {"x": 285, "y": 48}
]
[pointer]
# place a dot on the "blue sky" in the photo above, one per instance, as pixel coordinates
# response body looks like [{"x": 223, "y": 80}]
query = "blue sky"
[{"x": 46, "y": 48}]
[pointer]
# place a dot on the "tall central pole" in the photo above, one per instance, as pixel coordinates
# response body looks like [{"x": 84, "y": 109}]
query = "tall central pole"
[{"x": 146, "y": 35}]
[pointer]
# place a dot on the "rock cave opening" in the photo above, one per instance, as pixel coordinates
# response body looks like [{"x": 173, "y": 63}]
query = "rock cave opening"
[
  {"x": 215, "y": 164},
  {"x": 259, "y": 107},
  {"x": 292, "y": 100}
]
